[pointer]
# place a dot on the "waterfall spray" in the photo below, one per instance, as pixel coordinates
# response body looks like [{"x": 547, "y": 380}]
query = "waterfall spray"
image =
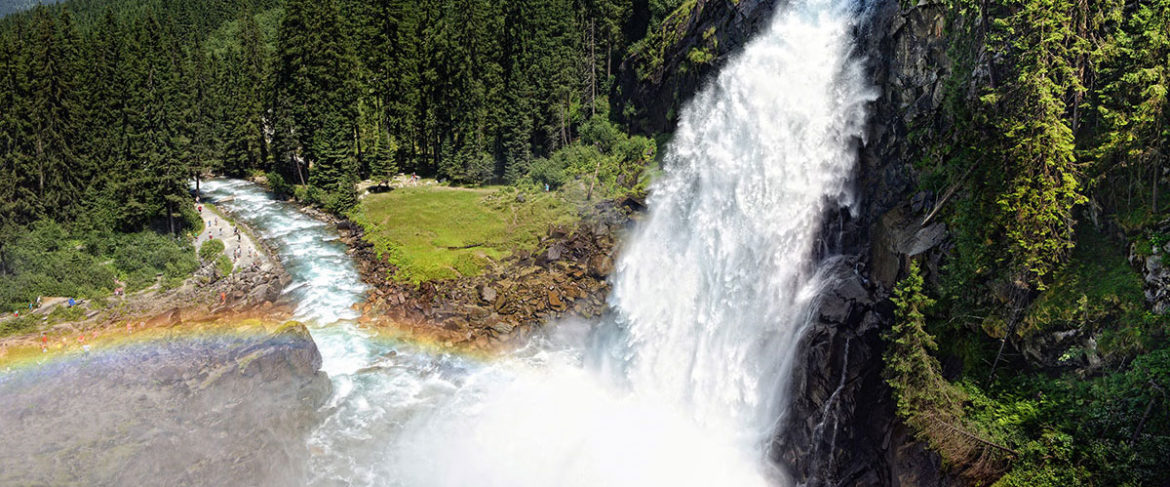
[
  {"x": 685, "y": 381},
  {"x": 715, "y": 288},
  {"x": 685, "y": 384}
]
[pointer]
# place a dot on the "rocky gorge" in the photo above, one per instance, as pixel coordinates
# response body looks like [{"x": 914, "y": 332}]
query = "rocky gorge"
[{"x": 841, "y": 428}]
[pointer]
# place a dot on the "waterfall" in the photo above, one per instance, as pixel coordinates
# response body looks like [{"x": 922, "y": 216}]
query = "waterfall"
[
  {"x": 685, "y": 383},
  {"x": 714, "y": 289}
]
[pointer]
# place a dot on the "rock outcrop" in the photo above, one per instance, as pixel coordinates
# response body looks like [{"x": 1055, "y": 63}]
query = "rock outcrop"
[
  {"x": 693, "y": 43},
  {"x": 1155, "y": 271},
  {"x": 214, "y": 408},
  {"x": 564, "y": 275},
  {"x": 841, "y": 428}
]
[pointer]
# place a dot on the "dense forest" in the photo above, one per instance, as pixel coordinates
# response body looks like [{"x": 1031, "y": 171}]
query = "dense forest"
[
  {"x": 113, "y": 106},
  {"x": 1053, "y": 158}
]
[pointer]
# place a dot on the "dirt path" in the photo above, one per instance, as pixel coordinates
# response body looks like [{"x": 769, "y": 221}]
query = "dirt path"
[{"x": 216, "y": 226}]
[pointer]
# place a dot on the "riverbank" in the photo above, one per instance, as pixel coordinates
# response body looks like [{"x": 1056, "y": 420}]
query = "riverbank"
[
  {"x": 252, "y": 290},
  {"x": 562, "y": 275}
]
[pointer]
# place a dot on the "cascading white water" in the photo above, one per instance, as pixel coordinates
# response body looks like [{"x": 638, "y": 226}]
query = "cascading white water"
[
  {"x": 715, "y": 287},
  {"x": 684, "y": 384}
]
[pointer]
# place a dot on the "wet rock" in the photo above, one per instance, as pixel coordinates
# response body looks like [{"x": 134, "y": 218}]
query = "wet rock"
[
  {"x": 841, "y": 428},
  {"x": 201, "y": 410},
  {"x": 899, "y": 234}
]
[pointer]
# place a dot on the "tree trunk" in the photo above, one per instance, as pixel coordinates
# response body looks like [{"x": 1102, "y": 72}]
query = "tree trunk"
[
  {"x": 1149, "y": 407},
  {"x": 589, "y": 195},
  {"x": 1154, "y": 190},
  {"x": 170, "y": 218},
  {"x": 592, "y": 67},
  {"x": 1018, "y": 304}
]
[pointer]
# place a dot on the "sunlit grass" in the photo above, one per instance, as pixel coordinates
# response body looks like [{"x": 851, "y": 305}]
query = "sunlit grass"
[{"x": 438, "y": 232}]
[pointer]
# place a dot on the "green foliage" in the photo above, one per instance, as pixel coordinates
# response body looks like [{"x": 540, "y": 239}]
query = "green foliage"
[
  {"x": 1097, "y": 291},
  {"x": 22, "y": 324},
  {"x": 382, "y": 164},
  {"x": 210, "y": 250},
  {"x": 436, "y": 232},
  {"x": 278, "y": 185},
  {"x": 142, "y": 257},
  {"x": 341, "y": 199},
  {"x": 110, "y": 112},
  {"x": 913, "y": 373},
  {"x": 1037, "y": 147},
  {"x": 223, "y": 265},
  {"x": 1133, "y": 59},
  {"x": 46, "y": 259},
  {"x": 605, "y": 159}
]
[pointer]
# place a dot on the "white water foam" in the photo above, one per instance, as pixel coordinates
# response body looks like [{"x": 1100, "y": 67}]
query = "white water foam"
[{"x": 684, "y": 384}]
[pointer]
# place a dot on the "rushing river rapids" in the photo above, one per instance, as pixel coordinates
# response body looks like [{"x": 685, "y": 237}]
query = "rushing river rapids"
[{"x": 681, "y": 384}]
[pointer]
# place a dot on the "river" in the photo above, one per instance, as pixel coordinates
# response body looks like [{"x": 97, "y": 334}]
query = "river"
[{"x": 683, "y": 382}]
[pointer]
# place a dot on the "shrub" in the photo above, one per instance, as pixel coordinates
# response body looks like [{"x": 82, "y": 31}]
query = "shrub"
[
  {"x": 141, "y": 257},
  {"x": 278, "y": 185},
  {"x": 340, "y": 200},
  {"x": 46, "y": 259},
  {"x": 224, "y": 266},
  {"x": 546, "y": 171},
  {"x": 210, "y": 250}
]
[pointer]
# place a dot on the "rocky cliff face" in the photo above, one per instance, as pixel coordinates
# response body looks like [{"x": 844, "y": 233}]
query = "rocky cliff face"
[
  {"x": 692, "y": 43},
  {"x": 207, "y": 409},
  {"x": 1155, "y": 272},
  {"x": 841, "y": 428}
]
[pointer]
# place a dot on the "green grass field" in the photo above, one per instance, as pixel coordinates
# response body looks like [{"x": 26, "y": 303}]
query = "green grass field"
[{"x": 438, "y": 232}]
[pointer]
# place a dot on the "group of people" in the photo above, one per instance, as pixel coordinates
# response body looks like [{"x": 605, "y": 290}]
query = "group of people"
[
  {"x": 81, "y": 340},
  {"x": 31, "y": 306},
  {"x": 212, "y": 225}
]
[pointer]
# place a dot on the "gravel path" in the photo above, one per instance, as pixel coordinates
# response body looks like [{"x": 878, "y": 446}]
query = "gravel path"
[{"x": 220, "y": 228}]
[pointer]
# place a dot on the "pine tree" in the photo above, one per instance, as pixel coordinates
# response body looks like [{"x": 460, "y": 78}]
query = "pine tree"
[
  {"x": 926, "y": 401},
  {"x": 382, "y": 165}
]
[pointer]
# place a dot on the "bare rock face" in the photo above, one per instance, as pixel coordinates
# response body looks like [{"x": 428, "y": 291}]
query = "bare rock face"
[
  {"x": 1155, "y": 272},
  {"x": 847, "y": 432},
  {"x": 197, "y": 410}
]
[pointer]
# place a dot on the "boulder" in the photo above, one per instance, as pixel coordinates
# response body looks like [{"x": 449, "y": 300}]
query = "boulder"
[
  {"x": 600, "y": 266},
  {"x": 206, "y": 409},
  {"x": 555, "y": 301},
  {"x": 488, "y": 294}
]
